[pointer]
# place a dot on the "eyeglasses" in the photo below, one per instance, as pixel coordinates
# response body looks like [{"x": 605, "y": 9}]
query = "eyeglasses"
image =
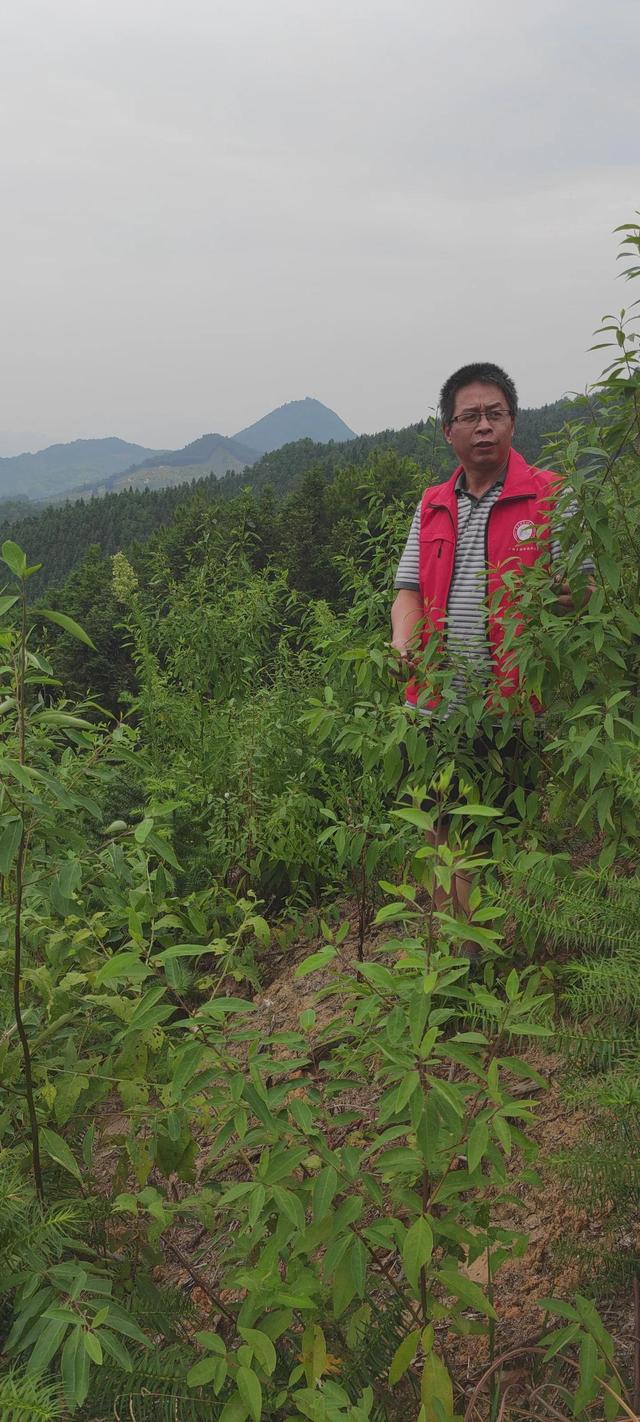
[{"x": 495, "y": 415}]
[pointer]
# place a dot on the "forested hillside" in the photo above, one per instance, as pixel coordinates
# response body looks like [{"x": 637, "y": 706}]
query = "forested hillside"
[
  {"x": 61, "y": 467},
  {"x": 60, "y": 537},
  {"x": 285, "y": 1134}
]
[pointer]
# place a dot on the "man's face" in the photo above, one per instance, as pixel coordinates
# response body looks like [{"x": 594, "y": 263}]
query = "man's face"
[{"x": 482, "y": 448}]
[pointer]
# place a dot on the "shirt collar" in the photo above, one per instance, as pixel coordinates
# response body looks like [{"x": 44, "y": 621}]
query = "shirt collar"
[{"x": 460, "y": 486}]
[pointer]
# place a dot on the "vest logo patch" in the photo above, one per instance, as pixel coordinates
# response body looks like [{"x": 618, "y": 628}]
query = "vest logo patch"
[{"x": 524, "y": 531}]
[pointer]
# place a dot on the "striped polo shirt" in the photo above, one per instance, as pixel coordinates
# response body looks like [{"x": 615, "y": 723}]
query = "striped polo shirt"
[{"x": 466, "y": 624}]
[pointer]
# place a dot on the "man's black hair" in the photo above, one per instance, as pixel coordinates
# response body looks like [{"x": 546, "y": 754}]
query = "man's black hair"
[{"x": 485, "y": 373}]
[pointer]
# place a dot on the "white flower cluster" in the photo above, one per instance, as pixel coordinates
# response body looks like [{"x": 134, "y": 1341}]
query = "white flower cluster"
[{"x": 125, "y": 581}]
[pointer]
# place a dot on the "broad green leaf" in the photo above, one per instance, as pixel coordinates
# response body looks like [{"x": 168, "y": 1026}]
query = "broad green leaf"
[
  {"x": 406, "y": 1089},
  {"x": 314, "y": 1353},
  {"x": 404, "y": 1356},
  {"x": 565, "y": 1310},
  {"x": 262, "y": 1346},
  {"x": 59, "y": 1151},
  {"x": 475, "y": 812},
  {"x": 92, "y": 1345},
  {"x": 256, "y": 1204},
  {"x": 302, "y": 1114},
  {"x": 311, "y": 1404},
  {"x": 68, "y": 625},
  {"x": 62, "y": 719},
  {"x": 477, "y": 1144},
  {"x": 358, "y": 1260},
  {"x": 221, "y": 1006},
  {"x": 82, "y": 1373},
  {"x": 436, "y": 1386},
  {"x": 212, "y": 1341},
  {"x": 470, "y": 1294},
  {"x": 419, "y": 818},
  {"x": 158, "y": 846},
  {"x": 49, "y": 1341},
  {"x": 417, "y": 1249},
  {"x": 182, "y": 950},
  {"x": 587, "y": 1311},
  {"x": 117, "y": 1350},
  {"x": 290, "y": 1206},
  {"x": 69, "y": 878},
  {"x": 397, "y": 909},
  {"x": 450, "y": 1094},
  {"x": 344, "y": 1288},
  {"x": 235, "y": 1410},
  {"x": 502, "y": 1130},
  {"x": 260, "y": 928},
  {"x": 14, "y": 558},
  {"x": 248, "y": 1386},
  {"x": 202, "y": 1372},
  {"x": 68, "y": 1367},
  {"x": 22, "y": 773},
  {"x": 610, "y": 1405},
  {"x": 62, "y": 1315},
  {"x": 9, "y": 844},
  {"x": 589, "y": 1387},
  {"x": 315, "y": 962},
  {"x": 126, "y": 967},
  {"x": 121, "y": 1322},
  {"x": 557, "y": 1340},
  {"x": 6, "y": 603},
  {"x": 324, "y": 1189}
]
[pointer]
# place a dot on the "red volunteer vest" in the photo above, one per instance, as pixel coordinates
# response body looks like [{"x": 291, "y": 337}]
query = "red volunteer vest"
[{"x": 518, "y": 533}]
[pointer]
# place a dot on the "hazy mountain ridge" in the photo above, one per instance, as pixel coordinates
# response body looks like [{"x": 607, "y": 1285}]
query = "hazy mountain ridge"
[
  {"x": 81, "y": 462},
  {"x": 200, "y": 451},
  {"x": 86, "y": 467},
  {"x": 231, "y": 455}
]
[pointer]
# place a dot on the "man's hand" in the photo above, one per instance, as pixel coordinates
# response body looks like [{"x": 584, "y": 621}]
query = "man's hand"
[
  {"x": 406, "y": 619},
  {"x": 564, "y": 596},
  {"x": 403, "y": 660},
  {"x": 565, "y": 601}
]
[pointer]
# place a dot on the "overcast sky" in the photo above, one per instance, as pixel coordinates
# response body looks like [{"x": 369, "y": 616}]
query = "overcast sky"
[{"x": 214, "y": 206}]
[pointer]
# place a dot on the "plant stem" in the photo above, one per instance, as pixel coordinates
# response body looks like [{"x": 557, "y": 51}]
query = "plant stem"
[
  {"x": 636, "y": 1342},
  {"x": 17, "y": 957},
  {"x": 426, "y": 1186}
]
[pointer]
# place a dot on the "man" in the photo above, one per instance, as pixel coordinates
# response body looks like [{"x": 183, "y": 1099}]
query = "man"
[{"x": 490, "y": 518}]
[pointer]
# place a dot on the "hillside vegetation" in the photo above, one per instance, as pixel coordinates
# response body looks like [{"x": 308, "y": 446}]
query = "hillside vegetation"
[{"x": 274, "y": 1143}]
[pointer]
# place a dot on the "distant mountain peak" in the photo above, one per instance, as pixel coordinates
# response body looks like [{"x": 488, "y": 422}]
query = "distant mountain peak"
[{"x": 297, "y": 419}]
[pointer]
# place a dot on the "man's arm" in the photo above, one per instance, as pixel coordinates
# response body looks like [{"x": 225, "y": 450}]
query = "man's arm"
[{"x": 406, "y": 615}]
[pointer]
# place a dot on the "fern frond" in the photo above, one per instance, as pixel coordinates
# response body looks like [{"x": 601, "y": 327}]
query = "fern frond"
[
  {"x": 31, "y": 1237},
  {"x": 162, "y": 1310},
  {"x": 370, "y": 1354},
  {"x": 604, "y": 1172},
  {"x": 155, "y": 1391},
  {"x": 597, "y": 1048},
  {"x": 28, "y": 1399}
]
